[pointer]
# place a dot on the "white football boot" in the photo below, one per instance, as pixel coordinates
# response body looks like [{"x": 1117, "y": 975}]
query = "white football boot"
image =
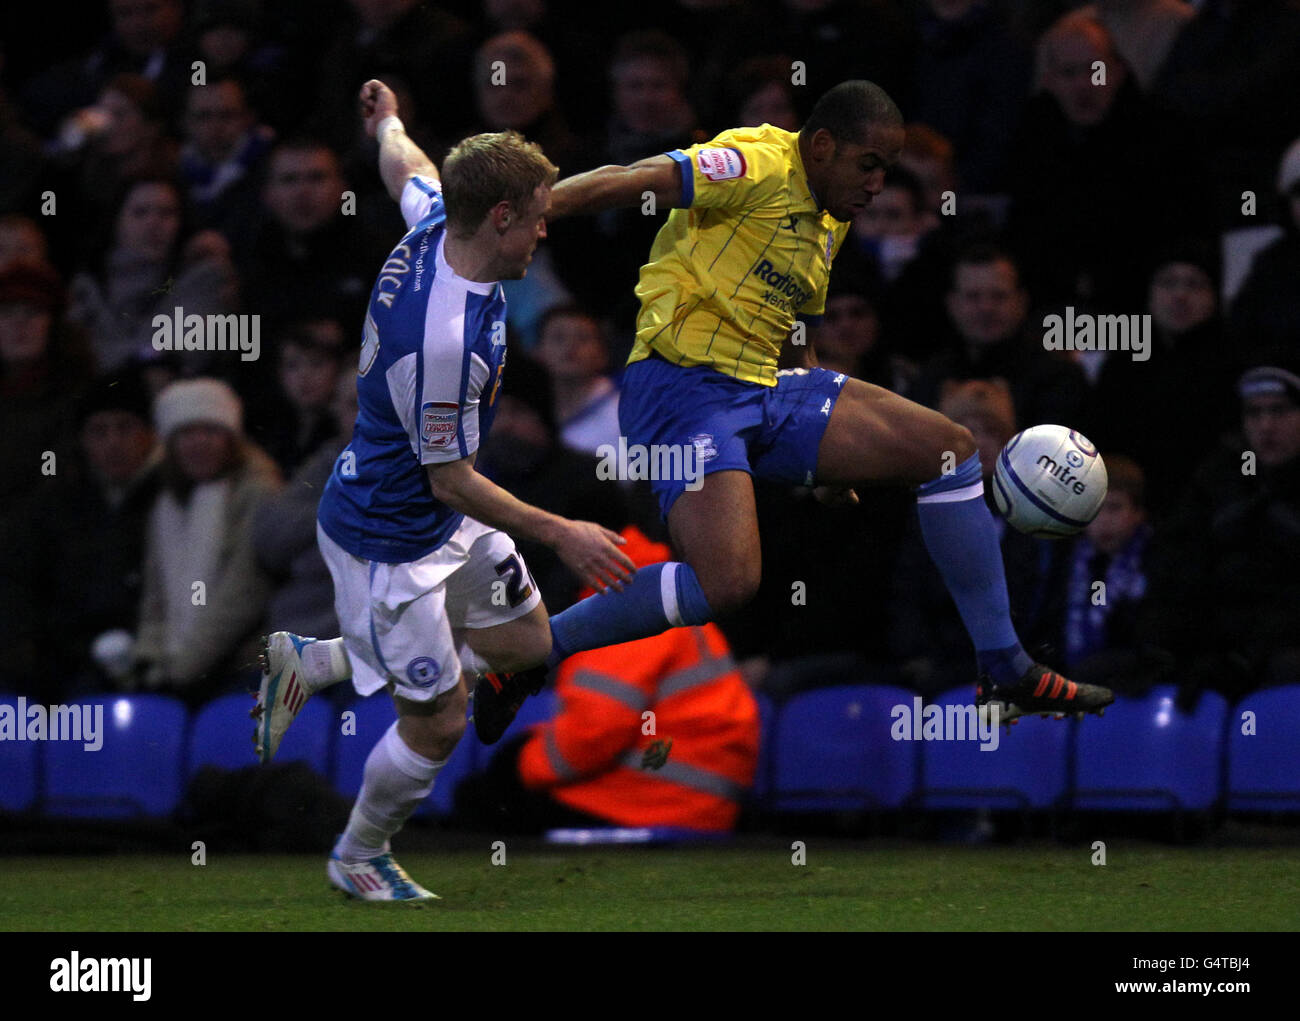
[
  {"x": 376, "y": 879},
  {"x": 282, "y": 693}
]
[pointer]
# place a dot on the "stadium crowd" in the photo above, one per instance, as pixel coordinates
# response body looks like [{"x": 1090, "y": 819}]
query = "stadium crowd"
[{"x": 207, "y": 155}]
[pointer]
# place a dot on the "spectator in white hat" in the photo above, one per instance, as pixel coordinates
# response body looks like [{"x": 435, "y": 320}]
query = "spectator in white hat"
[{"x": 204, "y": 595}]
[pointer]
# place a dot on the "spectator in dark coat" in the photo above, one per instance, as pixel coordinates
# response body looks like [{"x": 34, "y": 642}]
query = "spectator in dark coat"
[
  {"x": 1096, "y": 179},
  {"x": 1180, "y": 398},
  {"x": 1225, "y": 589},
  {"x": 145, "y": 39},
  {"x": 309, "y": 260},
  {"x": 284, "y": 534},
  {"x": 1232, "y": 76},
  {"x": 75, "y": 551},
  {"x": 988, "y": 309},
  {"x": 1266, "y": 311},
  {"x": 44, "y": 367},
  {"x": 970, "y": 77}
]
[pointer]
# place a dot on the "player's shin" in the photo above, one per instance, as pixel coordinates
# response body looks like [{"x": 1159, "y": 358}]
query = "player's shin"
[
  {"x": 396, "y": 780},
  {"x": 658, "y": 597},
  {"x": 962, "y": 539}
]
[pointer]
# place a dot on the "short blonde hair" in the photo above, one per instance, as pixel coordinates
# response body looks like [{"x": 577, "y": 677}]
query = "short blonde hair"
[{"x": 485, "y": 169}]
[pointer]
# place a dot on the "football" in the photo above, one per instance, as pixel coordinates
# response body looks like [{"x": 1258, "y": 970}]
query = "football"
[{"x": 1049, "y": 481}]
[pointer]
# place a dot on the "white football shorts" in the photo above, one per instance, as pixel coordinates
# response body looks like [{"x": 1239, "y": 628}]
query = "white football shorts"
[{"x": 401, "y": 622}]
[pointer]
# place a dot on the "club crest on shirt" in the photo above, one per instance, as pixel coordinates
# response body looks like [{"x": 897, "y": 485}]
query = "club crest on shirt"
[
  {"x": 438, "y": 424},
  {"x": 721, "y": 164}
]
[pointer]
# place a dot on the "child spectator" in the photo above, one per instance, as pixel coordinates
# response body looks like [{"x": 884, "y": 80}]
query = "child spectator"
[{"x": 1106, "y": 582}]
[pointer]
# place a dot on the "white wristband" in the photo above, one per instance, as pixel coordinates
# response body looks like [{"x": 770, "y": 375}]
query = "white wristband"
[{"x": 387, "y": 124}]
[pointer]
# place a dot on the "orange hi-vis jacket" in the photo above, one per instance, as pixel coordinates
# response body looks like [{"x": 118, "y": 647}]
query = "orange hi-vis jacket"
[{"x": 589, "y": 756}]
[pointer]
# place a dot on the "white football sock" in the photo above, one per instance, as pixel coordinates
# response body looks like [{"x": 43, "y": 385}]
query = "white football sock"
[
  {"x": 396, "y": 780},
  {"x": 325, "y": 662}
]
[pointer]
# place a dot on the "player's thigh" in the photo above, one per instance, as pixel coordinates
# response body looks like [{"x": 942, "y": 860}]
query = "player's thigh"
[
  {"x": 715, "y": 530},
  {"x": 874, "y": 435},
  {"x": 393, "y": 620},
  {"x": 493, "y": 602},
  {"x": 432, "y": 728}
]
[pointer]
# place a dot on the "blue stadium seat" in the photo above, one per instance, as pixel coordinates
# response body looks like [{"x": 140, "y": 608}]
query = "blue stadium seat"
[
  {"x": 834, "y": 751},
  {"x": 18, "y": 765},
  {"x": 374, "y": 715},
  {"x": 1146, "y": 755},
  {"x": 137, "y": 771},
  {"x": 223, "y": 733},
  {"x": 762, "y": 789},
  {"x": 1264, "y": 767},
  {"x": 1028, "y": 769}
]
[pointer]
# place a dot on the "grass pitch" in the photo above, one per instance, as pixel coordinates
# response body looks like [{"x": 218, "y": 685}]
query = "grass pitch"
[{"x": 842, "y": 886}]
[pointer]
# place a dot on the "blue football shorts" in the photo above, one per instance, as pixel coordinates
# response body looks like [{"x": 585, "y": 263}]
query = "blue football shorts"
[{"x": 772, "y": 432}]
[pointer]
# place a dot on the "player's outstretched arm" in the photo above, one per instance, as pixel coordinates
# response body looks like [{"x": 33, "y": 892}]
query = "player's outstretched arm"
[
  {"x": 615, "y": 187},
  {"x": 588, "y": 550},
  {"x": 400, "y": 159}
]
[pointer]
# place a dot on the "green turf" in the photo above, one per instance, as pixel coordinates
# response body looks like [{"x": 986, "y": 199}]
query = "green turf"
[{"x": 924, "y": 887}]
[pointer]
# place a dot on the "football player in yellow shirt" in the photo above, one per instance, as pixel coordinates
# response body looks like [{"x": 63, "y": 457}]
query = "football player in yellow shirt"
[{"x": 735, "y": 282}]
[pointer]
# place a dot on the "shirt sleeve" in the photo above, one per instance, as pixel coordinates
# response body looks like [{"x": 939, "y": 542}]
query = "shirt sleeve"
[
  {"x": 453, "y": 387},
  {"x": 421, "y": 199},
  {"x": 728, "y": 174},
  {"x": 437, "y": 402}
]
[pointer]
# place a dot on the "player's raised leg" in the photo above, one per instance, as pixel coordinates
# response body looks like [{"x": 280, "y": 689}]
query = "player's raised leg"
[
  {"x": 509, "y": 662},
  {"x": 294, "y": 668},
  {"x": 875, "y": 435},
  {"x": 715, "y": 529}
]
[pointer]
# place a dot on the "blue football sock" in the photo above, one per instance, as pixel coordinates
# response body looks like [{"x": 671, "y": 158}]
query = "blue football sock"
[
  {"x": 962, "y": 538},
  {"x": 658, "y": 597}
]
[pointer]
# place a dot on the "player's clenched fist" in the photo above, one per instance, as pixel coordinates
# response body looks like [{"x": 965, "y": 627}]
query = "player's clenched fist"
[
  {"x": 592, "y": 553},
  {"x": 377, "y": 102}
]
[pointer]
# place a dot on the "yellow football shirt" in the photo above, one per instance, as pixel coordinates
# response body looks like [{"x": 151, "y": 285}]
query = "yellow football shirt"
[{"x": 747, "y": 252}]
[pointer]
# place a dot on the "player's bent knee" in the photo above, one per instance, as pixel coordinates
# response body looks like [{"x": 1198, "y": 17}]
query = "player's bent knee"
[
  {"x": 962, "y": 442},
  {"x": 434, "y": 728},
  {"x": 732, "y": 589}
]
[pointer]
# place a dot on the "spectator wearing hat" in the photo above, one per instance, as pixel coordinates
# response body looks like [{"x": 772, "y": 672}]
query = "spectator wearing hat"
[
  {"x": 926, "y": 633},
  {"x": 1225, "y": 592},
  {"x": 1179, "y": 398},
  {"x": 204, "y": 594},
  {"x": 1266, "y": 312},
  {"x": 75, "y": 549},
  {"x": 44, "y": 366}
]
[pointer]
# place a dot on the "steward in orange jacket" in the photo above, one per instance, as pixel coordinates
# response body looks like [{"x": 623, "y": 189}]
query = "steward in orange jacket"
[{"x": 615, "y": 703}]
